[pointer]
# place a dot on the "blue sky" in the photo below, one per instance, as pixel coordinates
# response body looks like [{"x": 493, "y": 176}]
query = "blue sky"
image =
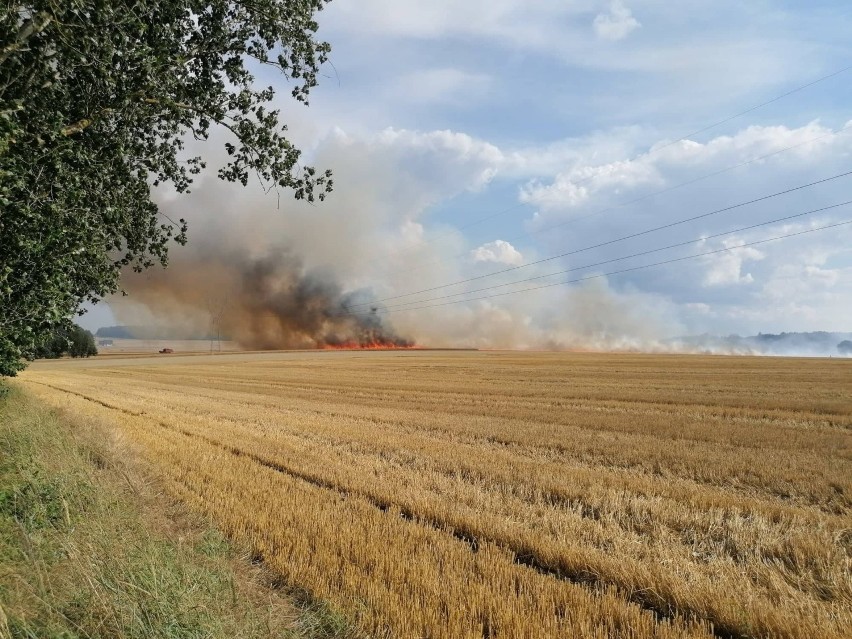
[{"x": 436, "y": 115}]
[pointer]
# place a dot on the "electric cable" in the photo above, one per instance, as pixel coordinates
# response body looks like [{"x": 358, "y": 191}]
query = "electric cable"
[
  {"x": 614, "y": 241},
  {"x": 641, "y": 198},
  {"x": 620, "y": 271},
  {"x": 626, "y": 257}
]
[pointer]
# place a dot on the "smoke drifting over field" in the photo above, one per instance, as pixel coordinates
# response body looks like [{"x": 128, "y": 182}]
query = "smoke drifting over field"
[
  {"x": 271, "y": 272},
  {"x": 240, "y": 278},
  {"x": 263, "y": 294},
  {"x": 265, "y": 301},
  {"x": 290, "y": 275}
]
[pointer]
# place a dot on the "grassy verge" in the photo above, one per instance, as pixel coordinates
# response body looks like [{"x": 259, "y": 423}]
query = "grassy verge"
[{"x": 90, "y": 549}]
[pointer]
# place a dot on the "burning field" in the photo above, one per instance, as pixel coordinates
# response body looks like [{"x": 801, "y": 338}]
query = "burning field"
[
  {"x": 262, "y": 302},
  {"x": 502, "y": 494}
]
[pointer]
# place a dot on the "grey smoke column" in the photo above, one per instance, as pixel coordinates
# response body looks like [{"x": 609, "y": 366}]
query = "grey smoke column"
[{"x": 266, "y": 301}]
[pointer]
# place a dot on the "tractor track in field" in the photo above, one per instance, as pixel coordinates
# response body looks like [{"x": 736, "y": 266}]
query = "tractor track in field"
[{"x": 646, "y": 599}]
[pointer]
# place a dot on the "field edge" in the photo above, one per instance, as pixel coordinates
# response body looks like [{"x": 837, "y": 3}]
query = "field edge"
[{"x": 91, "y": 547}]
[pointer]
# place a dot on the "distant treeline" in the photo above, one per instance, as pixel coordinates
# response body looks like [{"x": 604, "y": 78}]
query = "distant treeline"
[
  {"x": 148, "y": 332},
  {"x": 120, "y": 332},
  {"x": 820, "y": 343}
]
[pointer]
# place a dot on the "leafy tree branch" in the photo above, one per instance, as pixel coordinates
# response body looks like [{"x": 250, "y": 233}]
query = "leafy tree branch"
[{"x": 97, "y": 101}]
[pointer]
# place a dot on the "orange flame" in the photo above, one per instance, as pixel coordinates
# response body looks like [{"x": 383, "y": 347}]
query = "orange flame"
[{"x": 369, "y": 346}]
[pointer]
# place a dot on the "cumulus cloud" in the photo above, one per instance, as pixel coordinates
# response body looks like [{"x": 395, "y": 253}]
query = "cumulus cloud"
[
  {"x": 456, "y": 158},
  {"x": 727, "y": 268},
  {"x": 680, "y": 66},
  {"x": 751, "y": 288},
  {"x": 615, "y": 24},
  {"x": 665, "y": 162},
  {"x": 498, "y": 251},
  {"x": 572, "y": 189}
]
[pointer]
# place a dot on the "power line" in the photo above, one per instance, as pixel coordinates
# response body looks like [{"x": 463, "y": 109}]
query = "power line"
[
  {"x": 682, "y": 184},
  {"x": 637, "y": 199},
  {"x": 755, "y": 108},
  {"x": 401, "y": 305},
  {"x": 608, "y": 242},
  {"x": 657, "y": 149},
  {"x": 625, "y": 270}
]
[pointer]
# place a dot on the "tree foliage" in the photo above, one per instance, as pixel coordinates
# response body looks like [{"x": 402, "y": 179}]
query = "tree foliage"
[
  {"x": 98, "y": 99},
  {"x": 845, "y": 347},
  {"x": 74, "y": 341}
]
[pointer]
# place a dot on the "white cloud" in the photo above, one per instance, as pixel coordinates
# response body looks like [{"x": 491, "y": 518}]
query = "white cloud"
[
  {"x": 574, "y": 188},
  {"x": 791, "y": 284},
  {"x": 498, "y": 251},
  {"x": 821, "y": 276},
  {"x": 665, "y": 162},
  {"x": 727, "y": 268},
  {"x": 486, "y": 67},
  {"x": 617, "y": 23},
  {"x": 448, "y": 156},
  {"x": 800, "y": 279}
]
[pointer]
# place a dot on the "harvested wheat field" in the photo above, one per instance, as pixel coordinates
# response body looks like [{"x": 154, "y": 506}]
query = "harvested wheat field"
[{"x": 496, "y": 494}]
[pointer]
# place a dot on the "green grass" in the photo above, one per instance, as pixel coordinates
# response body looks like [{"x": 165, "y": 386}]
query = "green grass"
[{"x": 88, "y": 549}]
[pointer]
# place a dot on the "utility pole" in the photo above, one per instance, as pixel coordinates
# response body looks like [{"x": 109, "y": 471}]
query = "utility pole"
[{"x": 215, "y": 310}]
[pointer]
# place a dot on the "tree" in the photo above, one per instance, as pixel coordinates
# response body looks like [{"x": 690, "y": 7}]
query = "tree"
[
  {"x": 82, "y": 343},
  {"x": 845, "y": 347},
  {"x": 76, "y": 341},
  {"x": 53, "y": 345},
  {"x": 98, "y": 99}
]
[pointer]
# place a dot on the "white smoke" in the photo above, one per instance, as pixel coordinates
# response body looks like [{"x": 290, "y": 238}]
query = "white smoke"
[{"x": 374, "y": 236}]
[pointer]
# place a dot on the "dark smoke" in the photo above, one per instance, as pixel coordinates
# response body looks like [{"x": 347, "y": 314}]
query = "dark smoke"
[{"x": 262, "y": 302}]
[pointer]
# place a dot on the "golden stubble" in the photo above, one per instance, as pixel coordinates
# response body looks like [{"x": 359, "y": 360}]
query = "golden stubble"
[{"x": 512, "y": 494}]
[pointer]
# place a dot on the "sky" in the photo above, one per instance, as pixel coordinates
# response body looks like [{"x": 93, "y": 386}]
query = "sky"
[{"x": 543, "y": 136}]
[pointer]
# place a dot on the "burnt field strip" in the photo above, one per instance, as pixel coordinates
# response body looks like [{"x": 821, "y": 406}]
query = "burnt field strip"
[{"x": 509, "y": 494}]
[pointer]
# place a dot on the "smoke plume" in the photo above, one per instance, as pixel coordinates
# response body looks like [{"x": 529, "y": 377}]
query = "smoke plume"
[
  {"x": 270, "y": 272},
  {"x": 266, "y": 301},
  {"x": 273, "y": 274}
]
